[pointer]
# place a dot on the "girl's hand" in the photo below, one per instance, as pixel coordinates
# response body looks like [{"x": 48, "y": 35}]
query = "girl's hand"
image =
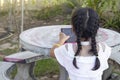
[{"x": 62, "y": 38}]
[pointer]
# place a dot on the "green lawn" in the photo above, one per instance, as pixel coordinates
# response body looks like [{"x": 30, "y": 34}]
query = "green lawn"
[{"x": 46, "y": 67}]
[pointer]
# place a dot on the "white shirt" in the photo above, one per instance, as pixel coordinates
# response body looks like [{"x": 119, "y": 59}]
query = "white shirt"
[{"x": 65, "y": 58}]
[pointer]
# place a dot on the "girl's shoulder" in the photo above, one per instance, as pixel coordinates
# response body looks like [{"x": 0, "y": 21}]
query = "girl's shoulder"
[
  {"x": 66, "y": 49},
  {"x": 104, "y": 50},
  {"x": 103, "y": 46},
  {"x": 69, "y": 46}
]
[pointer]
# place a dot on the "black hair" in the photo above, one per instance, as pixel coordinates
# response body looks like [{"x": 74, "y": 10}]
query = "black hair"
[{"x": 85, "y": 23}]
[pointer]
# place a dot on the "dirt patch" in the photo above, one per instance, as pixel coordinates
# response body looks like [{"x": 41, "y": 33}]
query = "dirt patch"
[{"x": 57, "y": 20}]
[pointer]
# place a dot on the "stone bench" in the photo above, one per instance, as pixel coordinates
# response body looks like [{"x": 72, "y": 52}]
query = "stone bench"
[
  {"x": 5, "y": 69},
  {"x": 25, "y": 62}
]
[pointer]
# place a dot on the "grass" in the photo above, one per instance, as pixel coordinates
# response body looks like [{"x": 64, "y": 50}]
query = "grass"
[
  {"x": 117, "y": 72},
  {"x": 3, "y": 13},
  {"x": 46, "y": 67},
  {"x": 47, "y": 12},
  {"x": 116, "y": 68},
  {"x": 14, "y": 72},
  {"x": 7, "y": 52}
]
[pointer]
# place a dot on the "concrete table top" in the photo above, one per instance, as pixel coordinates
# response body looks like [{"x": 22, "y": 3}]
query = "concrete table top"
[{"x": 41, "y": 39}]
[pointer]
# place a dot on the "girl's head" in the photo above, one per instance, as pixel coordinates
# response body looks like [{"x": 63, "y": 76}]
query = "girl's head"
[{"x": 85, "y": 23}]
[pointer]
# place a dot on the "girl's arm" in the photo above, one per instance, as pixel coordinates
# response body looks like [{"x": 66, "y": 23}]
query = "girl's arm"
[{"x": 62, "y": 39}]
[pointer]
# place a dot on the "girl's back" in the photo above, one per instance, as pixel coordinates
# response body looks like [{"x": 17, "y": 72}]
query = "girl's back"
[{"x": 65, "y": 55}]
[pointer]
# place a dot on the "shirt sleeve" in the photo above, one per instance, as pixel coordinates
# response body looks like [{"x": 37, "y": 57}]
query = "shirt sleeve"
[
  {"x": 60, "y": 54},
  {"x": 107, "y": 51},
  {"x": 105, "y": 56}
]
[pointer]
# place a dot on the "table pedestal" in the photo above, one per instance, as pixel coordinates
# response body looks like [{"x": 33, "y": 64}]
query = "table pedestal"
[
  {"x": 107, "y": 73},
  {"x": 63, "y": 73},
  {"x": 25, "y": 71}
]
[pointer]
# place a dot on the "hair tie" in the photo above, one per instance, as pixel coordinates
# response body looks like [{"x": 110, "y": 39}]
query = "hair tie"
[
  {"x": 58, "y": 45},
  {"x": 75, "y": 56},
  {"x": 96, "y": 56}
]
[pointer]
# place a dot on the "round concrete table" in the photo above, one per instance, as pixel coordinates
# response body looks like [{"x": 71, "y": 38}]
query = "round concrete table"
[{"x": 41, "y": 39}]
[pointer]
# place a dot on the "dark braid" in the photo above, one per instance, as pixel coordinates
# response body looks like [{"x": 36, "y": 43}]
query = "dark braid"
[
  {"x": 93, "y": 45},
  {"x": 79, "y": 47},
  {"x": 85, "y": 25},
  {"x": 78, "y": 22},
  {"x": 94, "y": 51}
]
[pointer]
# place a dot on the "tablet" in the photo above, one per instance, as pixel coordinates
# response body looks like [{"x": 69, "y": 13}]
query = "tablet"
[{"x": 69, "y": 32}]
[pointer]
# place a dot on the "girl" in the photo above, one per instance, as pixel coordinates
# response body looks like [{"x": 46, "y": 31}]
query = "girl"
[{"x": 86, "y": 59}]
